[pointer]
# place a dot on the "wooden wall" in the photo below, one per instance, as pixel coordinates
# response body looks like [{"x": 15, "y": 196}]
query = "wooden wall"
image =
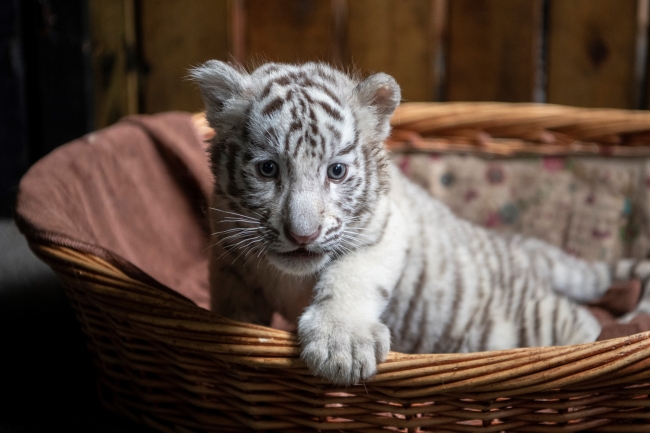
[{"x": 590, "y": 53}]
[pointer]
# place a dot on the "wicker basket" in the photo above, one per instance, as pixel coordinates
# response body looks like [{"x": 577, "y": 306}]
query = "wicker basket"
[{"x": 166, "y": 363}]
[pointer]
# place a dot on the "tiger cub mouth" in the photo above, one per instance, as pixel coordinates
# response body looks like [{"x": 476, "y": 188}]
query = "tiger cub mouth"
[{"x": 302, "y": 253}]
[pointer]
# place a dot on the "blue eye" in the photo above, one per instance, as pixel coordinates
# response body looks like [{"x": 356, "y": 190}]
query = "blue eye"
[
  {"x": 337, "y": 171},
  {"x": 268, "y": 169}
]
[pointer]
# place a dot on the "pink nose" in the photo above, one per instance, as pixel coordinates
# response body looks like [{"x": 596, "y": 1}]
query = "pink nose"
[{"x": 301, "y": 240}]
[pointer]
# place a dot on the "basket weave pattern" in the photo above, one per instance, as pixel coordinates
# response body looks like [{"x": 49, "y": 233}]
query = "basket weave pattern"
[
  {"x": 175, "y": 367},
  {"x": 520, "y": 129}
]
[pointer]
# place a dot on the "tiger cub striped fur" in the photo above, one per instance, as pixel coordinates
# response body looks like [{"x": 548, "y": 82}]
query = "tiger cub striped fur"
[{"x": 310, "y": 219}]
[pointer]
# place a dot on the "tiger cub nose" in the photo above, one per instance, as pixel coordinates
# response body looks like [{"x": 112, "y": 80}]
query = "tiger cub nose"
[{"x": 301, "y": 240}]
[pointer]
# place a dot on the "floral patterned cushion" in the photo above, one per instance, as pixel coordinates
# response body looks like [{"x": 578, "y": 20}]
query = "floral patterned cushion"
[{"x": 595, "y": 208}]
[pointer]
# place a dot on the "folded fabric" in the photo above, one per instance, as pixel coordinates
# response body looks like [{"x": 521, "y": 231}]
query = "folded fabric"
[{"x": 133, "y": 194}]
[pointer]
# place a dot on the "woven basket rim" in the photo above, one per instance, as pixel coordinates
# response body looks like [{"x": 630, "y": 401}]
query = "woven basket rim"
[{"x": 501, "y": 129}]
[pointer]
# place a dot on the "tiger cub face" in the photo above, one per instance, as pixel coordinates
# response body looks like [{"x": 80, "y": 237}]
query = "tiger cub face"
[{"x": 298, "y": 158}]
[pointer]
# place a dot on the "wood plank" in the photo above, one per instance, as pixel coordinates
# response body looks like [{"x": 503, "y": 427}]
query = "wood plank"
[
  {"x": 112, "y": 33},
  {"x": 494, "y": 50},
  {"x": 289, "y": 31},
  {"x": 399, "y": 37},
  {"x": 176, "y": 35},
  {"x": 592, "y": 53}
]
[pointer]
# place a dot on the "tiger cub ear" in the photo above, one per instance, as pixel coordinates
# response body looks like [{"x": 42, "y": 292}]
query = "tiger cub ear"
[
  {"x": 380, "y": 91},
  {"x": 219, "y": 82}
]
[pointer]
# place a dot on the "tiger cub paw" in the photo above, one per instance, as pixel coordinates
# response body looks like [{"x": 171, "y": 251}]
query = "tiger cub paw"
[{"x": 342, "y": 352}]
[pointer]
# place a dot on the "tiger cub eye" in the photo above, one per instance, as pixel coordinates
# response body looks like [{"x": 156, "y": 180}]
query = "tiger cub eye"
[
  {"x": 268, "y": 169},
  {"x": 337, "y": 172}
]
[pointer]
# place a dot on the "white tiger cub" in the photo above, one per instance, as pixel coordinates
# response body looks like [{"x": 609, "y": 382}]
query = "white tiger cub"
[{"x": 310, "y": 219}]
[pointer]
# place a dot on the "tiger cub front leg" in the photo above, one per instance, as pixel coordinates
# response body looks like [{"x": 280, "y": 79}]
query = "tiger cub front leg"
[{"x": 341, "y": 333}]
